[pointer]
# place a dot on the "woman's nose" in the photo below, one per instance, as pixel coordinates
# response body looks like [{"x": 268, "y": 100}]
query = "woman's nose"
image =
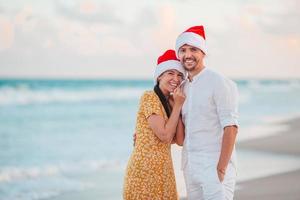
[{"x": 176, "y": 78}]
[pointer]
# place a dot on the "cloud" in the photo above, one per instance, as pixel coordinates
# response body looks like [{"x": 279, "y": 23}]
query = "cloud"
[
  {"x": 88, "y": 11},
  {"x": 88, "y": 7},
  {"x": 7, "y": 33},
  {"x": 277, "y": 18},
  {"x": 23, "y": 15},
  {"x": 164, "y": 34},
  {"x": 146, "y": 17},
  {"x": 113, "y": 38}
]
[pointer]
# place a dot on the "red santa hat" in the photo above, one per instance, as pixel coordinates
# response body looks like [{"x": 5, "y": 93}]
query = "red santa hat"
[
  {"x": 194, "y": 36},
  {"x": 167, "y": 61}
]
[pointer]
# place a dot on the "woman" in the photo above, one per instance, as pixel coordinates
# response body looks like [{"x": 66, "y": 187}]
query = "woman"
[{"x": 150, "y": 173}]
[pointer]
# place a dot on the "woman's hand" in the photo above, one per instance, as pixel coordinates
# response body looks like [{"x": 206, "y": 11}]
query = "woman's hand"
[
  {"x": 178, "y": 96},
  {"x": 171, "y": 101}
]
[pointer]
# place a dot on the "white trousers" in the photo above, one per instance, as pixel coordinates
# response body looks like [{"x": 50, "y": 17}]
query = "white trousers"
[{"x": 202, "y": 181}]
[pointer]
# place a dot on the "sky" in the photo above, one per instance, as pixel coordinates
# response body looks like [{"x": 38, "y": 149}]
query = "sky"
[{"x": 123, "y": 39}]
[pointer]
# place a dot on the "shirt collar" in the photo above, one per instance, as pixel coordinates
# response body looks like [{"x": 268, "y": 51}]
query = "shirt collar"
[{"x": 197, "y": 76}]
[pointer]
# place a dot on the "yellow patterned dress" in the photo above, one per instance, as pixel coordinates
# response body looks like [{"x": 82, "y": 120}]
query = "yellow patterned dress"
[{"x": 150, "y": 174}]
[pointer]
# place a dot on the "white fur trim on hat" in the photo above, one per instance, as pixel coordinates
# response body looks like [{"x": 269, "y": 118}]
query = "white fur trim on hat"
[
  {"x": 192, "y": 39},
  {"x": 167, "y": 65}
]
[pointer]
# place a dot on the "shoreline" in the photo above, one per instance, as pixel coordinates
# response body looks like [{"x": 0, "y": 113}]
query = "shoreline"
[{"x": 281, "y": 142}]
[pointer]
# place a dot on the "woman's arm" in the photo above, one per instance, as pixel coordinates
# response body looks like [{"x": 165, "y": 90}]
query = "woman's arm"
[{"x": 165, "y": 130}]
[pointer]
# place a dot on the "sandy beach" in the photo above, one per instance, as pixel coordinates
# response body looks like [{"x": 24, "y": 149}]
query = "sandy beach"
[
  {"x": 283, "y": 186},
  {"x": 280, "y": 186},
  {"x": 277, "y": 186}
]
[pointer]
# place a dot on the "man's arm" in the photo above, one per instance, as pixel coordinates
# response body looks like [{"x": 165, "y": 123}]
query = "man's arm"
[
  {"x": 180, "y": 134},
  {"x": 228, "y": 142}
]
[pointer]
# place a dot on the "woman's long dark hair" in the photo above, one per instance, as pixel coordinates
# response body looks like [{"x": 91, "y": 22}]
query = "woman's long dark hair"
[{"x": 162, "y": 99}]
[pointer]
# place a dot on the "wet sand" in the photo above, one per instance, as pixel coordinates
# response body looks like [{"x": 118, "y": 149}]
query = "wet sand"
[{"x": 284, "y": 186}]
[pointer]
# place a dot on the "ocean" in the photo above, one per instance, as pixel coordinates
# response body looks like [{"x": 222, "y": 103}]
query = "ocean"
[{"x": 71, "y": 139}]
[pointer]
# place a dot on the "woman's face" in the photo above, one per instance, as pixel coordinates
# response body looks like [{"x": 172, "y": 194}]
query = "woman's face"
[{"x": 170, "y": 80}]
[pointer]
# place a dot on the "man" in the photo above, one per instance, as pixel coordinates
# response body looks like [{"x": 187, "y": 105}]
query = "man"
[{"x": 210, "y": 118}]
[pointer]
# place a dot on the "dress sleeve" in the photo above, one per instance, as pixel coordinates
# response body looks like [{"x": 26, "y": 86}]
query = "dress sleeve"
[
  {"x": 226, "y": 99},
  {"x": 150, "y": 105}
]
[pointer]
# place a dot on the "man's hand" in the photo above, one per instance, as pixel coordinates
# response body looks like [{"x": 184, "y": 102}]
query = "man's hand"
[
  {"x": 221, "y": 174},
  {"x": 228, "y": 142},
  {"x": 134, "y": 139}
]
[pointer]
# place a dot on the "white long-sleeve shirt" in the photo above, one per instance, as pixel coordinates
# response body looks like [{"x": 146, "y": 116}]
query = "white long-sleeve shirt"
[{"x": 211, "y": 104}]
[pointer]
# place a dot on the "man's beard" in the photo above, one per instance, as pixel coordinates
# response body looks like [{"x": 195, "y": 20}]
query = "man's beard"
[{"x": 189, "y": 69}]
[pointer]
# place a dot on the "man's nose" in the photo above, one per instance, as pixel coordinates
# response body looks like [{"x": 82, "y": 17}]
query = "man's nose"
[{"x": 188, "y": 54}]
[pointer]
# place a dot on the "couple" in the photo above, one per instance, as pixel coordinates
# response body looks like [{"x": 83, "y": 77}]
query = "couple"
[{"x": 200, "y": 114}]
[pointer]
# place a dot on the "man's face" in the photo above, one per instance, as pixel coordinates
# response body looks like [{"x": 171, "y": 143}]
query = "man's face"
[{"x": 190, "y": 57}]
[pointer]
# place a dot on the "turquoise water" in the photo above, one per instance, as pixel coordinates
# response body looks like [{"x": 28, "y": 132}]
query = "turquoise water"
[{"x": 64, "y": 137}]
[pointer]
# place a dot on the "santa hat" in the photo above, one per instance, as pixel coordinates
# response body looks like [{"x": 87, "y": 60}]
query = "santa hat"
[
  {"x": 194, "y": 36},
  {"x": 167, "y": 61}
]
